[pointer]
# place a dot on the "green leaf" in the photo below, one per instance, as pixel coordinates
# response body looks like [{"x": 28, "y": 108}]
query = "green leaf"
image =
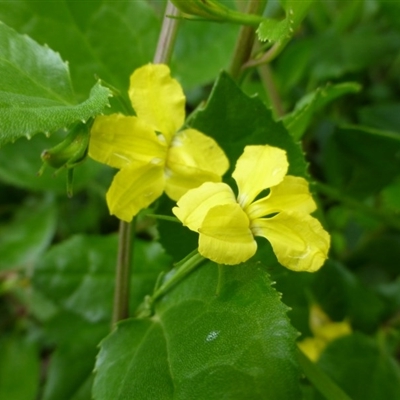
[
  {"x": 19, "y": 368},
  {"x": 276, "y": 31},
  {"x": 28, "y": 235},
  {"x": 79, "y": 273},
  {"x": 75, "y": 343},
  {"x": 381, "y": 116},
  {"x": 36, "y": 93},
  {"x": 362, "y": 368},
  {"x": 354, "y": 156},
  {"x": 298, "y": 120},
  {"x": 99, "y": 38},
  {"x": 244, "y": 121},
  {"x": 348, "y": 297},
  {"x": 325, "y": 385},
  {"x": 334, "y": 54},
  {"x": 220, "y": 333}
]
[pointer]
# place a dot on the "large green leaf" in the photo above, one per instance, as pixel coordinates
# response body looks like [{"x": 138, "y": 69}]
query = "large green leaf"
[
  {"x": 236, "y": 120},
  {"x": 221, "y": 333},
  {"x": 36, "y": 93},
  {"x": 79, "y": 273},
  {"x": 111, "y": 38},
  {"x": 24, "y": 239}
]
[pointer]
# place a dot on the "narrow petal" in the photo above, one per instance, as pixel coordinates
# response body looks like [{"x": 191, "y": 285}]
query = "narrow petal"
[
  {"x": 193, "y": 159},
  {"x": 299, "y": 241},
  {"x": 291, "y": 195},
  {"x": 259, "y": 168},
  {"x": 195, "y": 204},
  {"x": 117, "y": 140},
  {"x": 157, "y": 99},
  {"x": 135, "y": 188},
  {"x": 225, "y": 236}
]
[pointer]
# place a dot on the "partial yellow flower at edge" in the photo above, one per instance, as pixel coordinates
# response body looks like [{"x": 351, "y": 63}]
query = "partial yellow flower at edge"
[
  {"x": 151, "y": 153},
  {"x": 227, "y": 225},
  {"x": 324, "y": 331}
]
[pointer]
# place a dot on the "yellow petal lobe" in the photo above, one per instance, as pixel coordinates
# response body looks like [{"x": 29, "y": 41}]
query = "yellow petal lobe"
[
  {"x": 291, "y": 195},
  {"x": 299, "y": 241},
  {"x": 134, "y": 188},
  {"x": 117, "y": 140},
  {"x": 157, "y": 99},
  {"x": 259, "y": 168},
  {"x": 195, "y": 204},
  {"x": 193, "y": 159},
  {"x": 225, "y": 236}
]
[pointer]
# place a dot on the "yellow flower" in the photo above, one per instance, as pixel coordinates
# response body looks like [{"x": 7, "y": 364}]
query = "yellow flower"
[
  {"x": 151, "y": 153},
  {"x": 324, "y": 331},
  {"x": 227, "y": 225}
]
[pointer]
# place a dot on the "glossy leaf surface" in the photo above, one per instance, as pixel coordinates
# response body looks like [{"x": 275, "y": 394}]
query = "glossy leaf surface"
[
  {"x": 35, "y": 81},
  {"x": 222, "y": 332}
]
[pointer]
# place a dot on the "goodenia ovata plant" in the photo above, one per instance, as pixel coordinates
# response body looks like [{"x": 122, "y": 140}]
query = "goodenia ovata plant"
[{"x": 207, "y": 293}]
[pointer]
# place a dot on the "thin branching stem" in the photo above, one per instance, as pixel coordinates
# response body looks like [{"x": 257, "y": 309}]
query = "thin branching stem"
[
  {"x": 245, "y": 41},
  {"x": 163, "y": 54}
]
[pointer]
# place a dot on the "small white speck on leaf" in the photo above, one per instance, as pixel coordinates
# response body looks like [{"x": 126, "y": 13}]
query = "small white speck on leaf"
[{"x": 212, "y": 336}]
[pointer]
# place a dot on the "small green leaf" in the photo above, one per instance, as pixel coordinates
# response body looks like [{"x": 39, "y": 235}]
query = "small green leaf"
[
  {"x": 221, "y": 333},
  {"x": 27, "y": 236},
  {"x": 298, "y": 120},
  {"x": 276, "y": 31},
  {"x": 36, "y": 93}
]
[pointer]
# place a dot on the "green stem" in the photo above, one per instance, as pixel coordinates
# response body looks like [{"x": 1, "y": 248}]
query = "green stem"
[
  {"x": 166, "y": 40},
  {"x": 245, "y": 41},
  {"x": 267, "y": 78},
  {"x": 122, "y": 279},
  {"x": 333, "y": 193},
  {"x": 121, "y": 296},
  {"x": 164, "y": 217},
  {"x": 184, "y": 268}
]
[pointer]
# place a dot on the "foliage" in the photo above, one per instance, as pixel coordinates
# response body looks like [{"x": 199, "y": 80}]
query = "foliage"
[{"x": 322, "y": 84}]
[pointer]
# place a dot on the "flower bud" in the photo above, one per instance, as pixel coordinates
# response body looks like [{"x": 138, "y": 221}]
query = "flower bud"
[{"x": 68, "y": 153}]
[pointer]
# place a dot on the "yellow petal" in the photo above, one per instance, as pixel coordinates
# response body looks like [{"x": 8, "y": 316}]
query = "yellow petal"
[
  {"x": 195, "y": 204},
  {"x": 193, "y": 159},
  {"x": 312, "y": 347},
  {"x": 135, "y": 188},
  {"x": 323, "y": 327},
  {"x": 299, "y": 241},
  {"x": 157, "y": 99},
  {"x": 259, "y": 168},
  {"x": 117, "y": 140},
  {"x": 291, "y": 195},
  {"x": 225, "y": 236}
]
